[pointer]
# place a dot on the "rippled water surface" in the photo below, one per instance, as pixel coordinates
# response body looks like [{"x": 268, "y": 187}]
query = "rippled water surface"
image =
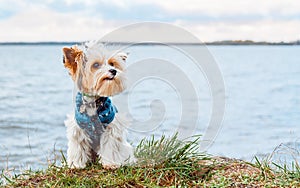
[{"x": 262, "y": 101}]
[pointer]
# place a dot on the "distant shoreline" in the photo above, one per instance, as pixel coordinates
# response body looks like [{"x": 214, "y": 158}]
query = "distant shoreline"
[{"x": 217, "y": 43}]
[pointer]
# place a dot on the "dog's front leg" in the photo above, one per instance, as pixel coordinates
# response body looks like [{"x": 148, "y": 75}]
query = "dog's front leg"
[
  {"x": 114, "y": 149},
  {"x": 78, "y": 145}
]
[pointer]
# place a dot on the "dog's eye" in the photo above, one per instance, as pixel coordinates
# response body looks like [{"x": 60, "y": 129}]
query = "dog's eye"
[
  {"x": 111, "y": 64},
  {"x": 96, "y": 65}
]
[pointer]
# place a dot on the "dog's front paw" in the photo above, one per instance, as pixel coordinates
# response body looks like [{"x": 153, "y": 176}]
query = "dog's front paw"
[
  {"x": 110, "y": 167},
  {"x": 78, "y": 164}
]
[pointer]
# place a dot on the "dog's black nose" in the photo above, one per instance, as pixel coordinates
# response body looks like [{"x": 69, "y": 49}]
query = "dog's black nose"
[{"x": 113, "y": 71}]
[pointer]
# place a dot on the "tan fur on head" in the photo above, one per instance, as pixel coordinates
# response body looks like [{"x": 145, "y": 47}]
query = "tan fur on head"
[{"x": 91, "y": 69}]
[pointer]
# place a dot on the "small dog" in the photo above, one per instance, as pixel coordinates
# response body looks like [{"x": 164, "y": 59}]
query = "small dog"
[{"x": 94, "y": 131}]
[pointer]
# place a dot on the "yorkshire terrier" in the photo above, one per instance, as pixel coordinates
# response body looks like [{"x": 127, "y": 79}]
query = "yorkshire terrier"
[{"x": 95, "y": 132}]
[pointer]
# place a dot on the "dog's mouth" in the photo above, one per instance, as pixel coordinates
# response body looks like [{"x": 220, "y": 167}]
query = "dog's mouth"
[{"x": 109, "y": 78}]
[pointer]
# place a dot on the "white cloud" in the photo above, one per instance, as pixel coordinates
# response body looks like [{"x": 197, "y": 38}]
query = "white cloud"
[
  {"x": 230, "y": 7},
  {"x": 90, "y": 3},
  {"x": 47, "y": 25},
  {"x": 38, "y": 22},
  {"x": 263, "y": 30}
]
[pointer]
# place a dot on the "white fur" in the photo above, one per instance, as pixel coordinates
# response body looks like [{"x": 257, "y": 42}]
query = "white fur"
[{"x": 114, "y": 149}]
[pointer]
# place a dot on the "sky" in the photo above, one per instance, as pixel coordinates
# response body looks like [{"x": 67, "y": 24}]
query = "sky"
[{"x": 209, "y": 20}]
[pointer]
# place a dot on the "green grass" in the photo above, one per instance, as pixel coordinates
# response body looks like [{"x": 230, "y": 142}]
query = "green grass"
[{"x": 166, "y": 162}]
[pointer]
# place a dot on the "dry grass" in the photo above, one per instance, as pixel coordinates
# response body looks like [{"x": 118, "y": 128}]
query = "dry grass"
[{"x": 176, "y": 164}]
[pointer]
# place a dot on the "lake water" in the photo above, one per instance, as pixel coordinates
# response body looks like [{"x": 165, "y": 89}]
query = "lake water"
[{"x": 262, "y": 101}]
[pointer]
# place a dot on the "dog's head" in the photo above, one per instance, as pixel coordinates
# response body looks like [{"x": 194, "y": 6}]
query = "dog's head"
[{"x": 95, "y": 70}]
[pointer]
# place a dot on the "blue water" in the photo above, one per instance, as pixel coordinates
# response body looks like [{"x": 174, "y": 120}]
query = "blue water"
[{"x": 262, "y": 101}]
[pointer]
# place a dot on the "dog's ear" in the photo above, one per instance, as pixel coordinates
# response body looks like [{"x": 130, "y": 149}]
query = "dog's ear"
[
  {"x": 123, "y": 55},
  {"x": 70, "y": 59}
]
